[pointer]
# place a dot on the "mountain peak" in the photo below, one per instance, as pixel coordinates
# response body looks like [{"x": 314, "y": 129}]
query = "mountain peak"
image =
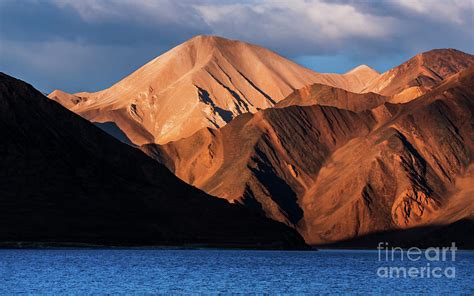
[
  {"x": 205, "y": 40},
  {"x": 421, "y": 72},
  {"x": 361, "y": 75},
  {"x": 447, "y": 60},
  {"x": 441, "y": 51},
  {"x": 361, "y": 69},
  {"x": 211, "y": 42},
  {"x": 203, "y": 82},
  {"x": 208, "y": 38},
  {"x": 198, "y": 51}
]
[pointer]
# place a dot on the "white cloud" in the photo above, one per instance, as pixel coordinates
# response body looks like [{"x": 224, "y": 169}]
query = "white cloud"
[
  {"x": 307, "y": 20},
  {"x": 311, "y": 20},
  {"x": 296, "y": 27}
]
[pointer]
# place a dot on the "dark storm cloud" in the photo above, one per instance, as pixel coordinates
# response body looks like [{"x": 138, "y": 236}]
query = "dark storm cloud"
[
  {"x": 53, "y": 44},
  {"x": 45, "y": 21},
  {"x": 89, "y": 44}
]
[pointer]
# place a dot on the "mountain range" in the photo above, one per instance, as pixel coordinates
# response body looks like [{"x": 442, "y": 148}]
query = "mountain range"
[
  {"x": 339, "y": 158},
  {"x": 204, "y": 82},
  {"x": 334, "y": 174}
]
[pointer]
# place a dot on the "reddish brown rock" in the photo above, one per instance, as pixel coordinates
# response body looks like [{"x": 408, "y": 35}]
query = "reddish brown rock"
[
  {"x": 336, "y": 175},
  {"x": 419, "y": 74},
  {"x": 325, "y": 95},
  {"x": 204, "y": 82}
]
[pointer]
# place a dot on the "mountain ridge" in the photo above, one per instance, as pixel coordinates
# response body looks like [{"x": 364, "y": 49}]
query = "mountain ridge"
[
  {"x": 338, "y": 157},
  {"x": 334, "y": 174},
  {"x": 420, "y": 73},
  {"x": 211, "y": 79}
]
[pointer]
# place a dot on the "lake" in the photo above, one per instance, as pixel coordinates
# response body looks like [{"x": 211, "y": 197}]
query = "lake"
[{"x": 153, "y": 271}]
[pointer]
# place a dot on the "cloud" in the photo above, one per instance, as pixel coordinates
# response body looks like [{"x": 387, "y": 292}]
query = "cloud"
[
  {"x": 88, "y": 44},
  {"x": 77, "y": 45},
  {"x": 454, "y": 11},
  {"x": 313, "y": 19},
  {"x": 302, "y": 27},
  {"x": 295, "y": 27},
  {"x": 138, "y": 11}
]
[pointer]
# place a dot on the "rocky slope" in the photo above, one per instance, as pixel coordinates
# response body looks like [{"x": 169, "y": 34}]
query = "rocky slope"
[
  {"x": 263, "y": 158},
  {"x": 334, "y": 174},
  {"x": 419, "y": 74},
  {"x": 403, "y": 174},
  {"x": 325, "y": 95},
  {"x": 65, "y": 180},
  {"x": 358, "y": 78},
  {"x": 398, "y": 85},
  {"x": 204, "y": 82}
]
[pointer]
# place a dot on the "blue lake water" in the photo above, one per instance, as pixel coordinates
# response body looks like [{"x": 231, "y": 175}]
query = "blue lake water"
[{"x": 132, "y": 271}]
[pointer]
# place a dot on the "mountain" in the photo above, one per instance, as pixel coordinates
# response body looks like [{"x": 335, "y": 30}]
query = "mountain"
[
  {"x": 264, "y": 160},
  {"x": 336, "y": 175},
  {"x": 341, "y": 157},
  {"x": 63, "y": 180},
  {"x": 358, "y": 78},
  {"x": 205, "y": 82},
  {"x": 407, "y": 173},
  {"x": 325, "y": 95},
  {"x": 419, "y": 74},
  {"x": 398, "y": 85}
]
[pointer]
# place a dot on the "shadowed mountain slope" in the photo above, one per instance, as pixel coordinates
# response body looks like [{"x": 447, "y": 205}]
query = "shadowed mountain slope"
[
  {"x": 262, "y": 159},
  {"x": 334, "y": 174},
  {"x": 65, "y": 180}
]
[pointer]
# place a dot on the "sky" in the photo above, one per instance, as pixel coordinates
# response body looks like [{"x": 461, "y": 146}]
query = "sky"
[{"x": 89, "y": 45}]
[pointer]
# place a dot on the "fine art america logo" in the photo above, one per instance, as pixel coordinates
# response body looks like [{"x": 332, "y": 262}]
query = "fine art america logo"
[{"x": 434, "y": 262}]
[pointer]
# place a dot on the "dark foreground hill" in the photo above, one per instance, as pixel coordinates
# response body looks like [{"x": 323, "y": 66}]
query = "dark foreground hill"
[{"x": 64, "y": 180}]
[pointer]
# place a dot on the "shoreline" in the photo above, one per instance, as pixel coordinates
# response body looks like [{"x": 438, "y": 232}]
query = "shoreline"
[
  {"x": 23, "y": 245},
  {"x": 18, "y": 245}
]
